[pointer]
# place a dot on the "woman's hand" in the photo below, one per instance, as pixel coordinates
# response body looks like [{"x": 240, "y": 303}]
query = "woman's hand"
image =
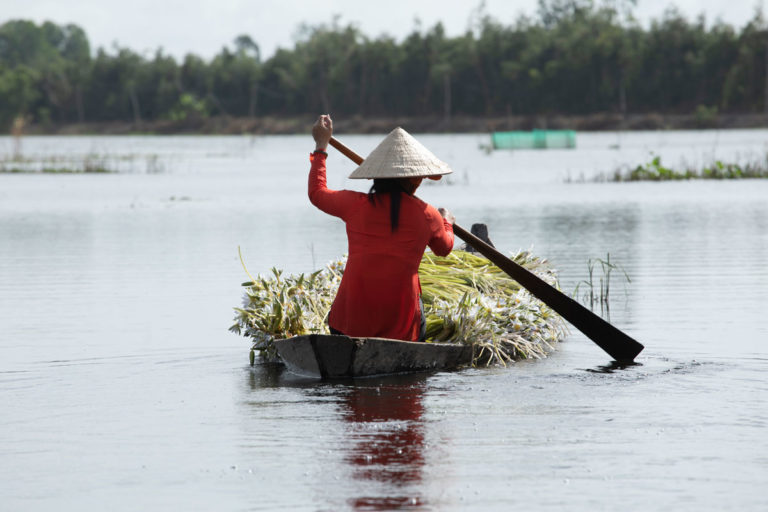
[
  {"x": 322, "y": 131},
  {"x": 447, "y": 215}
]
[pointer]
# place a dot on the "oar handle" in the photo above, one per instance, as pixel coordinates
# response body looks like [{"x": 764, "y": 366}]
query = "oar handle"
[
  {"x": 618, "y": 345},
  {"x": 346, "y": 151}
]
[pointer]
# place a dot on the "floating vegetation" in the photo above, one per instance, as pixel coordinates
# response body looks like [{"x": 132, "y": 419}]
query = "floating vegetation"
[
  {"x": 56, "y": 165},
  {"x": 91, "y": 163},
  {"x": 466, "y": 299},
  {"x": 718, "y": 170},
  {"x": 53, "y": 170},
  {"x": 596, "y": 290}
]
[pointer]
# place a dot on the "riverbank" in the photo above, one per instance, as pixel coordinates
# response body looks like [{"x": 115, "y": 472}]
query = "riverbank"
[{"x": 271, "y": 125}]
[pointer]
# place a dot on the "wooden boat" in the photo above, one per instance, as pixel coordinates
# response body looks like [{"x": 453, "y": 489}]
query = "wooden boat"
[{"x": 329, "y": 356}]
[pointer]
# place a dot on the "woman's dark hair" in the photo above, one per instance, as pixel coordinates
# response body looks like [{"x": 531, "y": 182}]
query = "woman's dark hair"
[{"x": 394, "y": 187}]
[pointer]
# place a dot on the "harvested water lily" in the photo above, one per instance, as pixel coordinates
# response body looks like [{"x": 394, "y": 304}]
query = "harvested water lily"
[{"x": 466, "y": 298}]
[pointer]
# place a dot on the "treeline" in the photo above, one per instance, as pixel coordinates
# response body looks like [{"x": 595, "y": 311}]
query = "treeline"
[{"x": 573, "y": 58}]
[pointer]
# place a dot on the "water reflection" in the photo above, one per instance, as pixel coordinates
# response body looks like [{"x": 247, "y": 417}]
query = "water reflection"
[
  {"x": 266, "y": 375},
  {"x": 382, "y": 438},
  {"x": 387, "y": 434},
  {"x": 612, "y": 367}
]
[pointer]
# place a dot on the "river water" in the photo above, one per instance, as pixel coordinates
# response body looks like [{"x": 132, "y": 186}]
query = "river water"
[{"x": 121, "y": 387}]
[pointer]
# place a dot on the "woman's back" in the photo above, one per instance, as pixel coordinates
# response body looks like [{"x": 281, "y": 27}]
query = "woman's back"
[
  {"x": 379, "y": 295},
  {"x": 387, "y": 232}
]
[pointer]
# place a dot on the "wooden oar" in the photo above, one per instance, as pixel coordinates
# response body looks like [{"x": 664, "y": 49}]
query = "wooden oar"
[{"x": 616, "y": 343}]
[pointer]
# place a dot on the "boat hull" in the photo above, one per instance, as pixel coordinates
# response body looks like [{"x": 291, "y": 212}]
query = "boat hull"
[{"x": 330, "y": 356}]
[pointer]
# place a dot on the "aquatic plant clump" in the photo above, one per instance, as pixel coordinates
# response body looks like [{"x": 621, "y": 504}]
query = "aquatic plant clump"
[
  {"x": 466, "y": 298},
  {"x": 91, "y": 163},
  {"x": 655, "y": 170}
]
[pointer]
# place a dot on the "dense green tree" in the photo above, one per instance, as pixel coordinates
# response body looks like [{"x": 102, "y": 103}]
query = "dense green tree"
[
  {"x": 18, "y": 92},
  {"x": 574, "y": 57},
  {"x": 745, "y": 86}
]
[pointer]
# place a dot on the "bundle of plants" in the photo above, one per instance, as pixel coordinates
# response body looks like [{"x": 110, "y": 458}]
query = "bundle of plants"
[{"x": 466, "y": 299}]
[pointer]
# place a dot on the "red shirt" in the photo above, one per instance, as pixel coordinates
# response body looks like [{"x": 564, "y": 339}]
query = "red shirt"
[{"x": 379, "y": 293}]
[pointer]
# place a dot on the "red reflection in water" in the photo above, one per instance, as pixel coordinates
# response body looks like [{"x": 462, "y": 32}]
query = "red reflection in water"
[{"x": 388, "y": 440}]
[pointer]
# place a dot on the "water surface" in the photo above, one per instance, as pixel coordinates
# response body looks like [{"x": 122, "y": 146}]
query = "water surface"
[{"x": 121, "y": 386}]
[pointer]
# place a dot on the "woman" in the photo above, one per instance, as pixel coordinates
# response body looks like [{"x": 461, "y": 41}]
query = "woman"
[{"x": 388, "y": 230}]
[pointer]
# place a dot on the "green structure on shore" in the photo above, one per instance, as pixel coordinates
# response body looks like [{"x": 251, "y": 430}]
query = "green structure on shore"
[{"x": 536, "y": 139}]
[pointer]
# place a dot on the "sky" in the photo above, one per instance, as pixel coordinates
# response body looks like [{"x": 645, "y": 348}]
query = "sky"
[{"x": 203, "y": 27}]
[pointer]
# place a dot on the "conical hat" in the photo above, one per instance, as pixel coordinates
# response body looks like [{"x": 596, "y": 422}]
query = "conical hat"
[{"x": 400, "y": 156}]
